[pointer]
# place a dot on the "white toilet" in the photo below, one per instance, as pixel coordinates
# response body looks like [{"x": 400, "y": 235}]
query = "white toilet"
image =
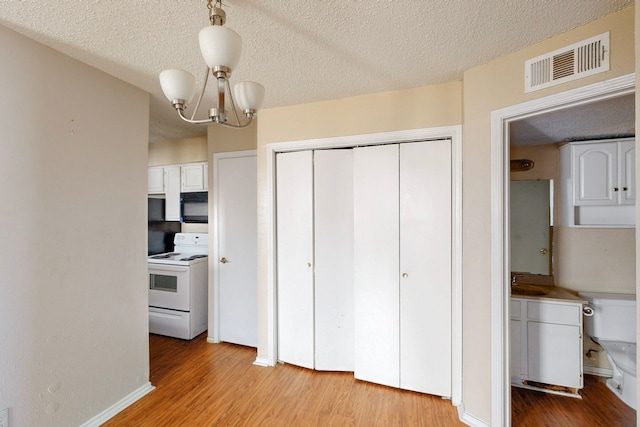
[{"x": 613, "y": 326}]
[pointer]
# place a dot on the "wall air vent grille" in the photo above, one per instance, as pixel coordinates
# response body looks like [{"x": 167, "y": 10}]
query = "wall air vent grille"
[{"x": 578, "y": 60}]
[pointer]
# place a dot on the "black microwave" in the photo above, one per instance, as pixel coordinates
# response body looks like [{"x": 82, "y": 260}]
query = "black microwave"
[{"x": 194, "y": 207}]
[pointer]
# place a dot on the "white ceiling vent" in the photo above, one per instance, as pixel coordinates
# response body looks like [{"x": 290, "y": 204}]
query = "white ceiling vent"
[{"x": 582, "y": 59}]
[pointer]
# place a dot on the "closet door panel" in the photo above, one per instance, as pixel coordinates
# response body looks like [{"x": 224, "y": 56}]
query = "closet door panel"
[
  {"x": 333, "y": 199},
  {"x": 376, "y": 264},
  {"x": 294, "y": 222},
  {"x": 425, "y": 267}
]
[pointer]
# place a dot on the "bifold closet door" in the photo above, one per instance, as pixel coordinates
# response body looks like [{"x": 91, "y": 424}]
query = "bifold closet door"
[
  {"x": 294, "y": 234},
  {"x": 402, "y": 258},
  {"x": 425, "y": 267},
  {"x": 376, "y": 264},
  {"x": 333, "y": 235}
]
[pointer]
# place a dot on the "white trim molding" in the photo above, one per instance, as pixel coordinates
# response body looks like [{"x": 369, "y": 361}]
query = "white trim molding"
[
  {"x": 454, "y": 133},
  {"x": 500, "y": 120},
  {"x": 119, "y": 406},
  {"x": 470, "y": 419}
]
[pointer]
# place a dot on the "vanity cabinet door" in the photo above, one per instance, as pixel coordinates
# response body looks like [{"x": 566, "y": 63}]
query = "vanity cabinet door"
[{"x": 554, "y": 354}]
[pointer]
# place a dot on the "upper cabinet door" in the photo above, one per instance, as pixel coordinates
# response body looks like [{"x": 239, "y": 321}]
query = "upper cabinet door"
[
  {"x": 172, "y": 193},
  {"x": 193, "y": 177},
  {"x": 627, "y": 171},
  {"x": 596, "y": 175},
  {"x": 155, "y": 180}
]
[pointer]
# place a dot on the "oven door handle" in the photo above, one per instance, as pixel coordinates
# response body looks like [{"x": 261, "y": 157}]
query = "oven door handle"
[{"x": 167, "y": 268}]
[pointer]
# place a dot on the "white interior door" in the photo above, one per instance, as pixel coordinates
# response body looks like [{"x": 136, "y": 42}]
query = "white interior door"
[
  {"x": 333, "y": 213},
  {"x": 294, "y": 234},
  {"x": 236, "y": 184},
  {"x": 425, "y": 267},
  {"x": 376, "y": 264}
]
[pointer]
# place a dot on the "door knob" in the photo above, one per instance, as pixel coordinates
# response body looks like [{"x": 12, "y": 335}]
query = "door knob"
[
  {"x": 544, "y": 251},
  {"x": 223, "y": 260}
]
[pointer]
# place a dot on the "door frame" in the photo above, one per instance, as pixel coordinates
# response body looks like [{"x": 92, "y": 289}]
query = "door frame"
[
  {"x": 500, "y": 274},
  {"x": 454, "y": 133},
  {"x": 214, "y": 281}
]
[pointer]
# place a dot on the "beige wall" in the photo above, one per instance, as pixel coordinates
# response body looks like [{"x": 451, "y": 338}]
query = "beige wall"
[
  {"x": 182, "y": 151},
  {"x": 423, "y": 107},
  {"x": 73, "y": 294},
  {"x": 493, "y": 86}
]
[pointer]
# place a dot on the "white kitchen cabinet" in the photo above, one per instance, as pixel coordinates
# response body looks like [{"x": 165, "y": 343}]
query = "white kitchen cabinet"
[
  {"x": 194, "y": 177},
  {"x": 155, "y": 180},
  {"x": 548, "y": 346},
  {"x": 402, "y": 265},
  {"x": 172, "y": 193},
  {"x": 166, "y": 180},
  {"x": 598, "y": 183},
  {"x": 314, "y": 263}
]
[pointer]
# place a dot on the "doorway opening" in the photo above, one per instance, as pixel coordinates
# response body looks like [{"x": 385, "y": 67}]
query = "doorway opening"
[{"x": 501, "y": 121}]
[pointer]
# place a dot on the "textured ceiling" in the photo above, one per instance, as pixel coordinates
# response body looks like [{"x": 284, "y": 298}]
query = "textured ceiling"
[
  {"x": 301, "y": 51},
  {"x": 613, "y": 117}
]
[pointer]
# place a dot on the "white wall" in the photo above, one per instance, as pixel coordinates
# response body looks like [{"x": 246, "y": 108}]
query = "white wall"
[{"x": 73, "y": 160}]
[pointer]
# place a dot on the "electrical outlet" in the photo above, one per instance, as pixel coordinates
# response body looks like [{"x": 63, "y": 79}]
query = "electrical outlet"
[{"x": 4, "y": 418}]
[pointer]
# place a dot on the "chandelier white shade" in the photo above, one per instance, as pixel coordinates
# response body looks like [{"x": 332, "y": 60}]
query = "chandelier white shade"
[
  {"x": 178, "y": 85},
  {"x": 249, "y": 95},
  {"x": 221, "y": 48}
]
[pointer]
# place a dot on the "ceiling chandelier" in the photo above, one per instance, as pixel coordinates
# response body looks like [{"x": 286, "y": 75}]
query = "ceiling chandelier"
[{"x": 221, "y": 48}]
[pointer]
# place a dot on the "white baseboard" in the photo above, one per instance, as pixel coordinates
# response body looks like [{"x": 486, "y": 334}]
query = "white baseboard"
[
  {"x": 119, "y": 406},
  {"x": 263, "y": 361},
  {"x": 594, "y": 370},
  {"x": 470, "y": 420}
]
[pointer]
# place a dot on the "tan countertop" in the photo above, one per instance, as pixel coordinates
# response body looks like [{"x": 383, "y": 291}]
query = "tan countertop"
[{"x": 545, "y": 292}]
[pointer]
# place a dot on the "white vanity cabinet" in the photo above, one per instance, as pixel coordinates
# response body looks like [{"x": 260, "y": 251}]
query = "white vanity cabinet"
[
  {"x": 598, "y": 183},
  {"x": 546, "y": 343},
  {"x": 194, "y": 177}
]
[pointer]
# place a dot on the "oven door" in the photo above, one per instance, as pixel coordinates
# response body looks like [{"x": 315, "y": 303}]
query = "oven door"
[{"x": 169, "y": 286}]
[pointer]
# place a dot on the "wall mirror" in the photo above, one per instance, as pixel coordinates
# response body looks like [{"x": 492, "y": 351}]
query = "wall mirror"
[{"x": 531, "y": 205}]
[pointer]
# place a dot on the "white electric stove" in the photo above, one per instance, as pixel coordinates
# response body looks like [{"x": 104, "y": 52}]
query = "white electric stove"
[{"x": 178, "y": 288}]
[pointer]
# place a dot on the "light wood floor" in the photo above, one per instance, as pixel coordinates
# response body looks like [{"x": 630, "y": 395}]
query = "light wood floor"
[{"x": 202, "y": 384}]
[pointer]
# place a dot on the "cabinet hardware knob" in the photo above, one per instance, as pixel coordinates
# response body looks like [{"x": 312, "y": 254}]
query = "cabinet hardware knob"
[
  {"x": 309, "y": 264},
  {"x": 615, "y": 188},
  {"x": 223, "y": 260},
  {"x": 624, "y": 188},
  {"x": 544, "y": 251},
  {"x": 587, "y": 311},
  {"x": 405, "y": 275}
]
